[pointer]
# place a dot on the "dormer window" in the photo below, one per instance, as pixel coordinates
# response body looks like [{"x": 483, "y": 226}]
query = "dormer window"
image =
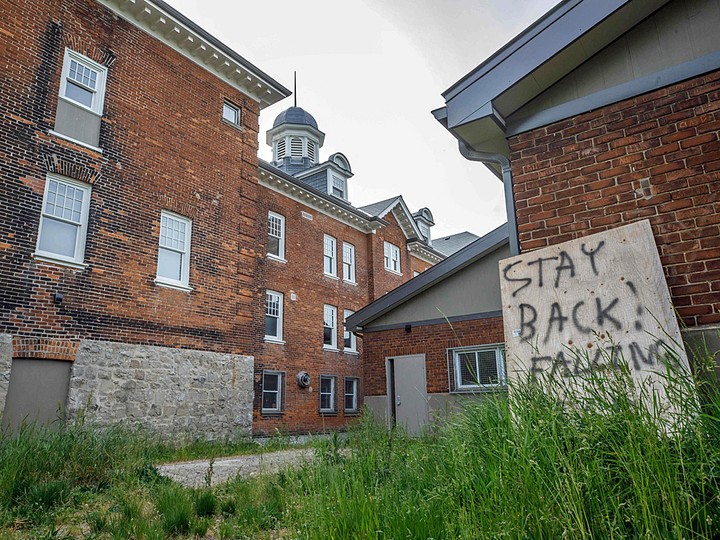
[
  {"x": 425, "y": 230},
  {"x": 338, "y": 187}
]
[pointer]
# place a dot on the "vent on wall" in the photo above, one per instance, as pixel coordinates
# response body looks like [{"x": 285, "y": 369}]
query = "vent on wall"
[
  {"x": 307, "y": 216},
  {"x": 311, "y": 151},
  {"x": 295, "y": 147},
  {"x": 281, "y": 149}
]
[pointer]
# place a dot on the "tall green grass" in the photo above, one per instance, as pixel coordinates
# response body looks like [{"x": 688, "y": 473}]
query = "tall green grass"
[{"x": 534, "y": 464}]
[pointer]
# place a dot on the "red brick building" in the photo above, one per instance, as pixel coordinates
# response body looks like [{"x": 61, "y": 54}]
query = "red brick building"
[
  {"x": 151, "y": 269},
  {"x": 601, "y": 114},
  {"x": 325, "y": 260}
]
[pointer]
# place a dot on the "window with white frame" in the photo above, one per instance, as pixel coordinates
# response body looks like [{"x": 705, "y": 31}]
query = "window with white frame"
[
  {"x": 392, "y": 257},
  {"x": 351, "y": 394},
  {"x": 231, "y": 114},
  {"x": 349, "y": 339},
  {"x": 83, "y": 81},
  {"x": 273, "y": 316},
  {"x": 63, "y": 220},
  {"x": 348, "y": 262},
  {"x": 338, "y": 187},
  {"x": 479, "y": 367},
  {"x": 330, "y": 327},
  {"x": 329, "y": 257},
  {"x": 425, "y": 231},
  {"x": 327, "y": 393},
  {"x": 174, "y": 252},
  {"x": 276, "y": 235},
  {"x": 272, "y": 391}
]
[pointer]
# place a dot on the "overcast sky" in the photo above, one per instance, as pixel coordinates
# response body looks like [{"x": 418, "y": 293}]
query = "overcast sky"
[{"x": 370, "y": 72}]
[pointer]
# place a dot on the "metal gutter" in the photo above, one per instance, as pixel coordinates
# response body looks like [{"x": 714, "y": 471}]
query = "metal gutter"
[{"x": 499, "y": 159}]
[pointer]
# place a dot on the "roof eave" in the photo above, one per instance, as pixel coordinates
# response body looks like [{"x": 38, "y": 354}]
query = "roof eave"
[{"x": 171, "y": 27}]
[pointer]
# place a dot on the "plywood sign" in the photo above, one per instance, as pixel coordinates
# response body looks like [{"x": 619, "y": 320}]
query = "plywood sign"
[{"x": 587, "y": 304}]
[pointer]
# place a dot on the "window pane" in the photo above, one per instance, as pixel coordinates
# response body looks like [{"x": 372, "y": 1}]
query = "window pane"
[
  {"x": 169, "y": 264},
  {"x": 270, "y": 400},
  {"x": 78, "y": 94},
  {"x": 58, "y": 237},
  {"x": 230, "y": 113},
  {"x": 325, "y": 401},
  {"x": 327, "y": 336},
  {"x": 468, "y": 369},
  {"x": 488, "y": 367},
  {"x": 325, "y": 384},
  {"x": 270, "y": 382},
  {"x": 274, "y": 246},
  {"x": 271, "y": 325}
]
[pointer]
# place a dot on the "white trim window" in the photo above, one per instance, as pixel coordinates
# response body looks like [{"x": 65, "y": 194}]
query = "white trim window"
[
  {"x": 338, "y": 186},
  {"x": 173, "y": 266},
  {"x": 351, "y": 394},
  {"x": 272, "y": 391},
  {"x": 63, "y": 220},
  {"x": 83, "y": 81},
  {"x": 329, "y": 327},
  {"x": 392, "y": 257},
  {"x": 479, "y": 367},
  {"x": 327, "y": 394},
  {"x": 349, "y": 339},
  {"x": 348, "y": 262},
  {"x": 276, "y": 236},
  {"x": 273, "y": 316},
  {"x": 231, "y": 114},
  {"x": 329, "y": 256}
]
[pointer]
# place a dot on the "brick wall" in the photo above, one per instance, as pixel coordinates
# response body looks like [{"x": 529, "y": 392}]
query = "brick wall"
[
  {"x": 656, "y": 157},
  {"x": 433, "y": 341},
  {"x": 164, "y": 147}
]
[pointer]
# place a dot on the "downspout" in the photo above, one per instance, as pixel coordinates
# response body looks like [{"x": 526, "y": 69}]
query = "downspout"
[{"x": 489, "y": 157}]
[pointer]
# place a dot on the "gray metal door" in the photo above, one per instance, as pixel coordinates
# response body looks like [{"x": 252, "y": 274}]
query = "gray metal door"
[{"x": 407, "y": 392}]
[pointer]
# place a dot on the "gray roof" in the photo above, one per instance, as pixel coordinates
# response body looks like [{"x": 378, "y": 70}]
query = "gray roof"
[
  {"x": 455, "y": 242},
  {"x": 297, "y": 116},
  {"x": 442, "y": 270},
  {"x": 375, "y": 209}
]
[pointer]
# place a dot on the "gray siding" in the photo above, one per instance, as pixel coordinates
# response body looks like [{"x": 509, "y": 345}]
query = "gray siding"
[
  {"x": 474, "y": 289},
  {"x": 680, "y": 32}
]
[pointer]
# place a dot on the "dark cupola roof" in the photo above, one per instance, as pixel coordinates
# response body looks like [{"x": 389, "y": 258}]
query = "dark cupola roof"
[{"x": 296, "y": 116}]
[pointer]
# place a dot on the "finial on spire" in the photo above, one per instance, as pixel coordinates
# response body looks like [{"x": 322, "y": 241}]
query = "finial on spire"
[{"x": 295, "y": 86}]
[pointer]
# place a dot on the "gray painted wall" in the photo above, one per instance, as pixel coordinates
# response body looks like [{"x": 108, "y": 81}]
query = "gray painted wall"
[
  {"x": 174, "y": 392},
  {"x": 6, "y": 352},
  {"x": 681, "y": 31},
  {"x": 77, "y": 123},
  {"x": 474, "y": 289}
]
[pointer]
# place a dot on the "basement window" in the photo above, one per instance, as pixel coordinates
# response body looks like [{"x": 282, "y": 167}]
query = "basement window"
[{"x": 478, "y": 368}]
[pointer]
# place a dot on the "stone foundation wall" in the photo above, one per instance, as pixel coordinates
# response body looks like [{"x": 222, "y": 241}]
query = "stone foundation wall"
[
  {"x": 174, "y": 392},
  {"x": 5, "y": 362}
]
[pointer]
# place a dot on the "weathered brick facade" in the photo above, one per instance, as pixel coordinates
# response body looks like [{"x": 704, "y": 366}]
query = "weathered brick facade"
[
  {"x": 433, "y": 341},
  {"x": 302, "y": 276},
  {"x": 163, "y": 147},
  {"x": 656, "y": 157}
]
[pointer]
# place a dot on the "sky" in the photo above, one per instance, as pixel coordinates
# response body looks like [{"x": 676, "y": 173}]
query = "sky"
[{"x": 371, "y": 72}]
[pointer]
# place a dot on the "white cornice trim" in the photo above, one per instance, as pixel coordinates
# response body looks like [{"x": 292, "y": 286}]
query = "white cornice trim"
[
  {"x": 175, "y": 34},
  {"x": 421, "y": 252},
  {"x": 311, "y": 200}
]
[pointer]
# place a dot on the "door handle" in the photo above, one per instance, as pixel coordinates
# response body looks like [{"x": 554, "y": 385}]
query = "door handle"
[{"x": 397, "y": 400}]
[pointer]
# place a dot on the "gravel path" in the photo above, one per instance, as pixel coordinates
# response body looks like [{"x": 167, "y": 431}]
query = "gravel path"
[{"x": 193, "y": 473}]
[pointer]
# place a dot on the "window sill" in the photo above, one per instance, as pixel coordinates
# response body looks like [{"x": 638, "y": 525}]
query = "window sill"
[
  {"x": 328, "y": 413},
  {"x": 330, "y": 349},
  {"x": 271, "y": 413},
  {"x": 231, "y": 124},
  {"x": 276, "y": 258},
  {"x": 75, "y": 141},
  {"x": 353, "y": 283},
  {"x": 270, "y": 339},
  {"x": 169, "y": 285},
  {"x": 354, "y": 412},
  {"x": 480, "y": 389},
  {"x": 393, "y": 271},
  {"x": 331, "y": 276},
  {"x": 351, "y": 352},
  {"x": 61, "y": 262}
]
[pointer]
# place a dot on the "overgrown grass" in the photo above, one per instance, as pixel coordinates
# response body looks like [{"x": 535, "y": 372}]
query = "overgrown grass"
[{"x": 537, "y": 463}]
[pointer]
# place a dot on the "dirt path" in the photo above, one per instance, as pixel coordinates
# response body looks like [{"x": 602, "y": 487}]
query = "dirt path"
[{"x": 194, "y": 473}]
